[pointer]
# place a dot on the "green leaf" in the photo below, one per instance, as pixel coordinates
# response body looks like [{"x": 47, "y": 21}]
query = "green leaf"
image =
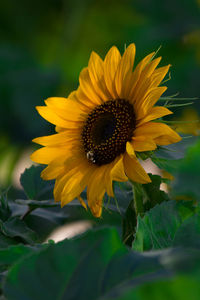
[
  {"x": 152, "y": 194},
  {"x": 83, "y": 268},
  {"x": 17, "y": 228},
  {"x": 93, "y": 266},
  {"x": 145, "y": 197},
  {"x": 188, "y": 234},
  {"x": 69, "y": 260},
  {"x": 129, "y": 224},
  {"x": 15, "y": 253},
  {"x": 157, "y": 229},
  {"x": 182, "y": 287},
  {"x": 34, "y": 187}
]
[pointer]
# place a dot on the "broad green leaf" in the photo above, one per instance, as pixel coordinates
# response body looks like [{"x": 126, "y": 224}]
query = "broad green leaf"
[
  {"x": 93, "y": 266},
  {"x": 157, "y": 229},
  {"x": 17, "y": 228},
  {"x": 129, "y": 224},
  {"x": 13, "y": 253},
  {"x": 188, "y": 234},
  {"x": 152, "y": 194},
  {"x": 181, "y": 264},
  {"x": 34, "y": 187},
  {"x": 145, "y": 197},
  {"x": 182, "y": 287},
  {"x": 84, "y": 268}
]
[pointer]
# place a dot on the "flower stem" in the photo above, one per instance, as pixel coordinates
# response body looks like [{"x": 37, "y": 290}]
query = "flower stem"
[
  {"x": 129, "y": 223},
  {"x": 29, "y": 210},
  {"x": 134, "y": 209},
  {"x": 138, "y": 199}
]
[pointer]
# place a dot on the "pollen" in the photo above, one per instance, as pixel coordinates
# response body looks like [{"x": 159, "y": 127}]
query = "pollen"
[{"x": 107, "y": 130}]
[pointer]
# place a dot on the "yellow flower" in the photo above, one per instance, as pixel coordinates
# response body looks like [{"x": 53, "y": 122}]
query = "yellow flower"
[{"x": 102, "y": 125}]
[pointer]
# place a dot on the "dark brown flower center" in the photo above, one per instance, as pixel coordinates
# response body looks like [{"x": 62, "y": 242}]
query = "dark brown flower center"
[{"x": 107, "y": 129}]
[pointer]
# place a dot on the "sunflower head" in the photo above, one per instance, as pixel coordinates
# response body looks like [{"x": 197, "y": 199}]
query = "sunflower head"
[
  {"x": 107, "y": 129},
  {"x": 102, "y": 126}
]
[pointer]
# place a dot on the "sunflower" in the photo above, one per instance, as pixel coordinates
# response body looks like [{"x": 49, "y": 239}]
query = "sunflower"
[{"x": 102, "y": 125}]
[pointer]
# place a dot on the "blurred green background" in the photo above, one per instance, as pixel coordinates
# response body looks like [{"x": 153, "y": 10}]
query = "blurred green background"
[{"x": 45, "y": 44}]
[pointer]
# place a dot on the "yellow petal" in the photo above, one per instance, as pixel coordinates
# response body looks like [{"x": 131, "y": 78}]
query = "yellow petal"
[
  {"x": 96, "y": 72},
  {"x": 153, "y": 97},
  {"x": 96, "y": 205},
  {"x": 155, "y": 113},
  {"x": 71, "y": 171},
  {"x": 159, "y": 74},
  {"x": 59, "y": 129},
  {"x": 96, "y": 184},
  {"x": 137, "y": 73},
  {"x": 59, "y": 185},
  {"x": 149, "y": 69},
  {"x": 66, "y": 108},
  {"x": 117, "y": 173},
  {"x": 142, "y": 144},
  {"x": 145, "y": 81},
  {"x": 72, "y": 96},
  {"x": 61, "y": 165},
  {"x": 111, "y": 63},
  {"x": 87, "y": 87},
  {"x": 46, "y": 155},
  {"x": 109, "y": 180},
  {"x": 96, "y": 208},
  {"x": 96, "y": 190},
  {"x": 150, "y": 98},
  {"x": 76, "y": 183},
  {"x": 87, "y": 103},
  {"x": 56, "y": 102},
  {"x": 82, "y": 202},
  {"x": 68, "y": 136},
  {"x": 125, "y": 66},
  {"x": 54, "y": 169},
  {"x": 168, "y": 139},
  {"x": 134, "y": 170},
  {"x": 114, "y": 171},
  {"x": 154, "y": 130},
  {"x": 51, "y": 116},
  {"x": 130, "y": 150},
  {"x": 79, "y": 97}
]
